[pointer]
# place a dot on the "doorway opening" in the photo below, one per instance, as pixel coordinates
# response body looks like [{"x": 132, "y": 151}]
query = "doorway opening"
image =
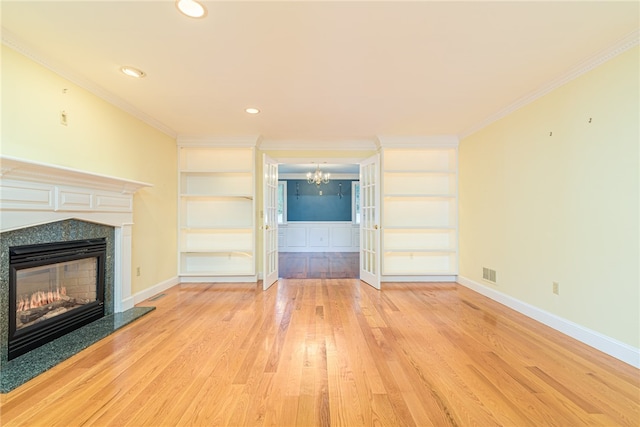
[{"x": 319, "y": 234}]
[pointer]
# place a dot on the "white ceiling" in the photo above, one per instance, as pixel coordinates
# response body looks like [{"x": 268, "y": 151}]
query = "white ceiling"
[{"x": 319, "y": 71}]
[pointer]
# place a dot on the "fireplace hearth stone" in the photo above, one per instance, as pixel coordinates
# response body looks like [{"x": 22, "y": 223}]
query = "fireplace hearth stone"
[{"x": 23, "y": 368}]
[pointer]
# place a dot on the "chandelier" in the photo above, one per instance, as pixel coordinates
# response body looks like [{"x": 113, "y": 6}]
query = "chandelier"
[{"x": 318, "y": 177}]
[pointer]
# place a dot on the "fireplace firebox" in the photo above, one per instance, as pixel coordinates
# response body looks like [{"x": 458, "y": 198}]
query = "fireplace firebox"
[{"x": 54, "y": 288}]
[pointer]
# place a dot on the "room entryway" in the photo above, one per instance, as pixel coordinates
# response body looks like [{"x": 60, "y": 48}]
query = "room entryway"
[{"x": 319, "y": 265}]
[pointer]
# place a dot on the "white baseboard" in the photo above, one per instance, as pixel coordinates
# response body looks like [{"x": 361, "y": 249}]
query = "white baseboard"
[
  {"x": 608, "y": 345},
  {"x": 154, "y": 290},
  {"x": 127, "y": 304}
]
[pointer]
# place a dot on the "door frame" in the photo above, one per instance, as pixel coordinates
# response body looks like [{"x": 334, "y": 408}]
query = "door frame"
[{"x": 303, "y": 160}]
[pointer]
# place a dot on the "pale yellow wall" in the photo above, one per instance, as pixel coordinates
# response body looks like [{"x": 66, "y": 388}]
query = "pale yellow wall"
[
  {"x": 292, "y": 156},
  {"x": 99, "y": 138},
  {"x": 540, "y": 208}
]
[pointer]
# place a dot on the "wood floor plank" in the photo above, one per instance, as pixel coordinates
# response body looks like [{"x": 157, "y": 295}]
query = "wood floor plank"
[
  {"x": 330, "y": 352},
  {"x": 319, "y": 265}
]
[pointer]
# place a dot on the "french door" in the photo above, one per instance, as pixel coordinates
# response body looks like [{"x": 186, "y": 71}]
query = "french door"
[
  {"x": 270, "y": 223},
  {"x": 369, "y": 221}
]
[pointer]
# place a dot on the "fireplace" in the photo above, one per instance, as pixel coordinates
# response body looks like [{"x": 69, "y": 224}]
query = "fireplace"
[
  {"x": 42, "y": 204},
  {"x": 54, "y": 288}
]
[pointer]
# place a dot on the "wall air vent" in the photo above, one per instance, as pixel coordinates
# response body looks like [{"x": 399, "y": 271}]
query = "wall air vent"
[{"x": 489, "y": 275}]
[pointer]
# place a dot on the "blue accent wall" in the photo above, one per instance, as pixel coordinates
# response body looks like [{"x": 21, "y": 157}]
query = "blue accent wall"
[{"x": 308, "y": 205}]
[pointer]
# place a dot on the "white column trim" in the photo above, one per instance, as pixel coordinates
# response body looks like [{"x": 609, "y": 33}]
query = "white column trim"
[{"x": 126, "y": 300}]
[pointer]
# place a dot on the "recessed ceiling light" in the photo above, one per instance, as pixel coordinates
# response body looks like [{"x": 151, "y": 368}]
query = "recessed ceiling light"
[
  {"x": 252, "y": 110},
  {"x": 133, "y": 72},
  {"x": 191, "y": 8}
]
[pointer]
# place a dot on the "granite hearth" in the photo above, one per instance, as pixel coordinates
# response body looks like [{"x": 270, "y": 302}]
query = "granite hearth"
[{"x": 23, "y": 368}]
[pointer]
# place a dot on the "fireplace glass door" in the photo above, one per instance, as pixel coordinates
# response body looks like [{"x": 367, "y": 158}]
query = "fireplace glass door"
[
  {"x": 54, "y": 288},
  {"x": 51, "y": 290}
]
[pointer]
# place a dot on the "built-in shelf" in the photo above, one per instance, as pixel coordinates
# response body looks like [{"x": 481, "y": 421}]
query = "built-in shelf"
[
  {"x": 216, "y": 211},
  {"x": 419, "y": 211}
]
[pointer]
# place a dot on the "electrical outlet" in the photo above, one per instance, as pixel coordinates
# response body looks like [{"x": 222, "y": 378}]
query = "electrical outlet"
[
  {"x": 138, "y": 271},
  {"x": 556, "y": 288},
  {"x": 63, "y": 118}
]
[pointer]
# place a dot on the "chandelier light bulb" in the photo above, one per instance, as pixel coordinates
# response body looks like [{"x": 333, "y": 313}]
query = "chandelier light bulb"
[{"x": 318, "y": 177}]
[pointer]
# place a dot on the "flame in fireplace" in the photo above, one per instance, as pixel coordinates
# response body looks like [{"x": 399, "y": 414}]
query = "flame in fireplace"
[{"x": 40, "y": 298}]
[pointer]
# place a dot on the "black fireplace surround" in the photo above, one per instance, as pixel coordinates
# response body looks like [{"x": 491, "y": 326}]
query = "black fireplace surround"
[{"x": 47, "y": 313}]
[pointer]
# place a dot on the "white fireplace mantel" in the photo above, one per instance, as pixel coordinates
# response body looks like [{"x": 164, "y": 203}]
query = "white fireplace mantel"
[{"x": 33, "y": 193}]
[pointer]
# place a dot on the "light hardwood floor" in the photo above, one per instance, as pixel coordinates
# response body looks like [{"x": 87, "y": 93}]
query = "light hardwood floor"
[
  {"x": 319, "y": 265},
  {"x": 320, "y": 352}
]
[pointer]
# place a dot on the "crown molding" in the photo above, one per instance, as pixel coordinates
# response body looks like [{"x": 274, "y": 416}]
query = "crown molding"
[
  {"x": 417, "y": 141},
  {"x": 318, "y": 145},
  {"x": 219, "y": 141},
  {"x": 585, "y": 66},
  {"x": 11, "y": 41}
]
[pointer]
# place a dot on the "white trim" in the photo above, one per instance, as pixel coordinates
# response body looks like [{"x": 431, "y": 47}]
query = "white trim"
[
  {"x": 125, "y": 241},
  {"x": 355, "y": 220},
  {"x": 118, "y": 268},
  {"x": 449, "y": 278},
  {"x": 12, "y": 42},
  {"x": 589, "y": 64},
  {"x": 318, "y": 145},
  {"x": 126, "y": 304},
  {"x": 284, "y": 202},
  {"x": 608, "y": 345},
  {"x": 316, "y": 160},
  {"x": 386, "y": 141},
  {"x": 218, "y": 141},
  {"x": 334, "y": 176},
  {"x": 27, "y": 170},
  {"x": 147, "y": 293}
]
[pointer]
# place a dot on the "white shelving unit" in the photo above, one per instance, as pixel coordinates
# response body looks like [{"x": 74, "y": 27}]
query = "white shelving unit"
[
  {"x": 217, "y": 220},
  {"x": 419, "y": 211}
]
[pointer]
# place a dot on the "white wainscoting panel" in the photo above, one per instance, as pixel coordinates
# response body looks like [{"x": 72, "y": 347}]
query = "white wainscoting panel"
[
  {"x": 318, "y": 237},
  {"x": 296, "y": 237},
  {"x": 70, "y": 200},
  {"x": 329, "y": 236},
  {"x": 17, "y": 196}
]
